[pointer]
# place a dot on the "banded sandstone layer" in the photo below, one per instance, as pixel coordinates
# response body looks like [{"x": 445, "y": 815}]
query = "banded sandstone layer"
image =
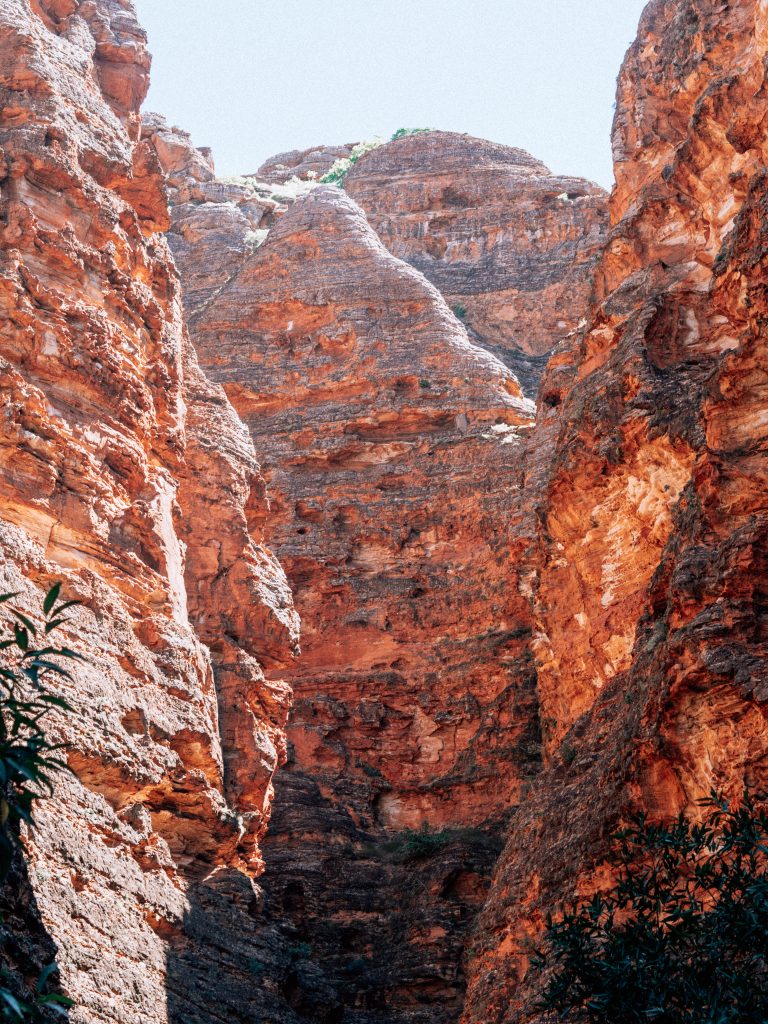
[
  {"x": 392, "y": 446},
  {"x": 622, "y": 546},
  {"x": 651, "y": 596},
  {"x": 511, "y": 246},
  {"x": 125, "y": 473},
  {"x": 388, "y": 444}
]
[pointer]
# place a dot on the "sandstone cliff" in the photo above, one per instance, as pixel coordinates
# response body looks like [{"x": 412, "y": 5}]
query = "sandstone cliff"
[
  {"x": 125, "y": 473},
  {"x": 390, "y": 445},
  {"x": 650, "y": 602},
  {"x": 481, "y": 594},
  {"x": 304, "y": 164},
  {"x": 511, "y": 246}
]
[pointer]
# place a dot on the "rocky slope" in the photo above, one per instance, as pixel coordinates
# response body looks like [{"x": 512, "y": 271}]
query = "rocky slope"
[
  {"x": 304, "y": 164},
  {"x": 390, "y": 445},
  {"x": 650, "y": 603},
  {"x": 125, "y": 473},
  {"x": 508, "y": 627},
  {"x": 510, "y": 245}
]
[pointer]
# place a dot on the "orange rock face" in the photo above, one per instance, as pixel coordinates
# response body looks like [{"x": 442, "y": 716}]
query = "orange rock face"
[
  {"x": 376, "y": 421},
  {"x": 304, "y": 164},
  {"x": 480, "y": 592},
  {"x": 126, "y": 474},
  {"x": 650, "y": 604},
  {"x": 510, "y": 245},
  {"x": 392, "y": 449}
]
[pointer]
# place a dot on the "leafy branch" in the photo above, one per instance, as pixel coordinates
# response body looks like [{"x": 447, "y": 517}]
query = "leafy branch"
[
  {"x": 29, "y": 760},
  {"x": 682, "y": 936}
]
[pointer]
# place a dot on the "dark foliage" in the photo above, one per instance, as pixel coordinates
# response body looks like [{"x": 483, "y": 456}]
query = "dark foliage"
[
  {"x": 28, "y": 759},
  {"x": 681, "y": 938}
]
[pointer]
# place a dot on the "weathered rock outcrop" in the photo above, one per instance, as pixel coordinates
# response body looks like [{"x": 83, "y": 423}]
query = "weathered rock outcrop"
[
  {"x": 650, "y": 604},
  {"x": 510, "y": 245},
  {"x": 474, "y": 589},
  {"x": 393, "y": 449},
  {"x": 216, "y": 224},
  {"x": 124, "y": 472},
  {"x": 382, "y": 431},
  {"x": 304, "y": 164},
  {"x": 390, "y": 445}
]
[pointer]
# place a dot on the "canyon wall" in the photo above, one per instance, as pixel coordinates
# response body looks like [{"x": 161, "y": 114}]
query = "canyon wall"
[
  {"x": 512, "y": 625},
  {"x": 650, "y": 606},
  {"x": 510, "y": 245},
  {"x": 393, "y": 449},
  {"x": 125, "y": 473},
  {"x": 390, "y": 445}
]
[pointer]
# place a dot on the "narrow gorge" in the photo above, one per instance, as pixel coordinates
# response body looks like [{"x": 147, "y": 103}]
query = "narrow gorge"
[{"x": 418, "y": 523}]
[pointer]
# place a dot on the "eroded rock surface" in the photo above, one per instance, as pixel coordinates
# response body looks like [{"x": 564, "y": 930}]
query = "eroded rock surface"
[
  {"x": 511, "y": 246},
  {"x": 305, "y": 164},
  {"x": 650, "y": 604},
  {"x": 126, "y": 474},
  {"x": 470, "y": 585},
  {"x": 391, "y": 446}
]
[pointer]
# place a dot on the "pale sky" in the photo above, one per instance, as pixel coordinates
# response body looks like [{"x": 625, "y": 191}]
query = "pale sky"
[{"x": 251, "y": 78}]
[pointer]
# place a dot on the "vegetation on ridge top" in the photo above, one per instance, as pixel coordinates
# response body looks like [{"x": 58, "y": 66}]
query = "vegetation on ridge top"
[{"x": 341, "y": 168}]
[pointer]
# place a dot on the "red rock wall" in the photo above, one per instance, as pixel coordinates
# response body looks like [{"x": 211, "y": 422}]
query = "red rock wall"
[
  {"x": 444, "y": 553},
  {"x": 650, "y": 604},
  {"x": 126, "y": 474},
  {"x": 511, "y": 246},
  {"x": 382, "y": 432},
  {"x": 391, "y": 447}
]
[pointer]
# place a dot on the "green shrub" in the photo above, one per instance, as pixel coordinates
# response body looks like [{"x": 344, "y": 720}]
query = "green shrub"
[
  {"x": 36, "y": 1006},
  {"x": 568, "y": 752},
  {"x": 256, "y": 967},
  {"x": 460, "y": 312},
  {"x": 28, "y": 759},
  {"x": 424, "y": 842},
  {"x": 403, "y": 133},
  {"x": 419, "y": 844},
  {"x": 301, "y": 951},
  {"x": 681, "y": 938},
  {"x": 338, "y": 173},
  {"x": 425, "y": 384},
  {"x": 415, "y": 844},
  {"x": 341, "y": 168}
]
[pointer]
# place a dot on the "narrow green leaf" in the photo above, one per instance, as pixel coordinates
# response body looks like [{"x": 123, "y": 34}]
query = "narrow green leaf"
[
  {"x": 22, "y": 638},
  {"x": 66, "y": 604},
  {"x": 54, "y": 624},
  {"x": 51, "y": 597},
  {"x": 10, "y": 999},
  {"x": 25, "y": 621}
]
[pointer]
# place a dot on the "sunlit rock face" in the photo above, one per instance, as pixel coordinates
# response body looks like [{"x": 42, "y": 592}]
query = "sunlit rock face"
[
  {"x": 304, "y": 164},
  {"x": 471, "y": 583},
  {"x": 511, "y": 246},
  {"x": 125, "y": 473},
  {"x": 391, "y": 446},
  {"x": 650, "y": 604},
  {"x": 381, "y": 431}
]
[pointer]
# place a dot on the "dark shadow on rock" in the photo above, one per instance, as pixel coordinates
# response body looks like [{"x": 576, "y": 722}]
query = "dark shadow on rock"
[
  {"x": 26, "y": 948},
  {"x": 527, "y": 368},
  {"x": 345, "y": 927}
]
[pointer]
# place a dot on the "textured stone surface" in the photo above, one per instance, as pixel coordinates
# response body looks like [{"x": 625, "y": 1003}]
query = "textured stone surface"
[
  {"x": 650, "y": 605},
  {"x": 445, "y": 555},
  {"x": 125, "y": 473},
  {"x": 381, "y": 430},
  {"x": 510, "y": 245},
  {"x": 216, "y": 223},
  {"x": 304, "y": 164},
  {"x": 391, "y": 447}
]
